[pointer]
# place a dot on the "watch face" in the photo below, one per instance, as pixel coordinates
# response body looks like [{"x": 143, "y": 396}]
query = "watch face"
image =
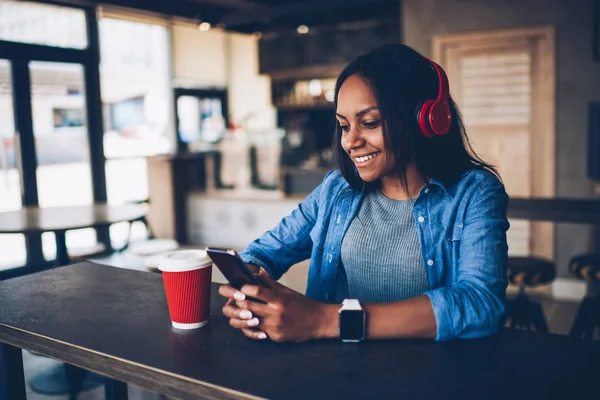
[{"x": 352, "y": 325}]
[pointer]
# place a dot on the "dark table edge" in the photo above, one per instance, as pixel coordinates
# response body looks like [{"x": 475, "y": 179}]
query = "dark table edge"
[{"x": 116, "y": 368}]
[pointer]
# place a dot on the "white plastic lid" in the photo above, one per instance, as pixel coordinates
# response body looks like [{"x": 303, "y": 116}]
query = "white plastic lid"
[{"x": 184, "y": 260}]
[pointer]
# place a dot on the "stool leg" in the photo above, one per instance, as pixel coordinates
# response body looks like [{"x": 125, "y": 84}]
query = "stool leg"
[
  {"x": 595, "y": 317},
  {"x": 536, "y": 316},
  {"x": 75, "y": 377},
  {"x": 12, "y": 377},
  {"x": 527, "y": 315},
  {"x": 115, "y": 390},
  {"x": 516, "y": 319},
  {"x": 508, "y": 311},
  {"x": 519, "y": 318},
  {"x": 583, "y": 319}
]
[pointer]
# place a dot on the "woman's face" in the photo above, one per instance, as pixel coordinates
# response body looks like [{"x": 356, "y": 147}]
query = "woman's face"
[{"x": 362, "y": 136}]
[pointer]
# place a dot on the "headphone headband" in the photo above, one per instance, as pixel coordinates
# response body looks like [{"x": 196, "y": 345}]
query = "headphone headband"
[
  {"x": 444, "y": 88},
  {"x": 434, "y": 116}
]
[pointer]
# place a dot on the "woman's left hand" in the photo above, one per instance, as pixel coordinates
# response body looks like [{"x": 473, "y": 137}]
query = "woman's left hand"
[{"x": 286, "y": 315}]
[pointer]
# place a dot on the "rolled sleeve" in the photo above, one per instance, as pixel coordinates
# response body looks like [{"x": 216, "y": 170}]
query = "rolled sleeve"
[{"x": 474, "y": 305}]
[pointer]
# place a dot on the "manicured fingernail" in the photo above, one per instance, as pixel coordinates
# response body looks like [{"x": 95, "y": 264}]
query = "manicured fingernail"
[
  {"x": 239, "y": 296},
  {"x": 245, "y": 314},
  {"x": 253, "y": 322},
  {"x": 262, "y": 335}
]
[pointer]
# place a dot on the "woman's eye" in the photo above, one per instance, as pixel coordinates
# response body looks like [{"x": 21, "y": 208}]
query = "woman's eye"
[
  {"x": 345, "y": 128},
  {"x": 371, "y": 124}
]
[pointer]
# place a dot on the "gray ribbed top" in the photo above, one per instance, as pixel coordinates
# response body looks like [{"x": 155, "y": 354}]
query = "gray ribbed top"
[{"x": 381, "y": 253}]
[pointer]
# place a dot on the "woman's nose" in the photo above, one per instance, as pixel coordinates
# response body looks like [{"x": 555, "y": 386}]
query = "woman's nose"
[{"x": 354, "y": 139}]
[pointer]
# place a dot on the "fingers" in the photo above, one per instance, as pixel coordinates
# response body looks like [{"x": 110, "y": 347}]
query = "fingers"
[
  {"x": 259, "y": 309},
  {"x": 271, "y": 283},
  {"x": 226, "y": 291},
  {"x": 233, "y": 311},
  {"x": 266, "y": 279},
  {"x": 244, "y": 324},
  {"x": 258, "y": 292},
  {"x": 254, "y": 334},
  {"x": 240, "y": 318},
  {"x": 230, "y": 292}
]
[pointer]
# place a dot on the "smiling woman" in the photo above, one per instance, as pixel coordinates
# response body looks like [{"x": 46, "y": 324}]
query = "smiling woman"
[{"x": 406, "y": 240}]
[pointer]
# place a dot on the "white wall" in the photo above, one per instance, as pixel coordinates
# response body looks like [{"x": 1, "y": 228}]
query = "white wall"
[
  {"x": 199, "y": 57},
  {"x": 250, "y": 93},
  {"x": 226, "y": 60}
]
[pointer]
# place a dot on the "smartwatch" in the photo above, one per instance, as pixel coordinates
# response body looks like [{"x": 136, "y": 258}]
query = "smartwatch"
[{"x": 352, "y": 321}]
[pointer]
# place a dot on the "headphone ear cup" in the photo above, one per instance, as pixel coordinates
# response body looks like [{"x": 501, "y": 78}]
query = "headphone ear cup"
[
  {"x": 418, "y": 111},
  {"x": 423, "y": 119},
  {"x": 439, "y": 118}
]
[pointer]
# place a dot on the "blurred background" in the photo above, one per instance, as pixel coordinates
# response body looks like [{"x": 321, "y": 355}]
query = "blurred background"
[{"x": 218, "y": 113}]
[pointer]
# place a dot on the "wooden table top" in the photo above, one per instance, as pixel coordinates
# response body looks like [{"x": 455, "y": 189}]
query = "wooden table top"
[
  {"x": 115, "y": 322},
  {"x": 48, "y": 219}
]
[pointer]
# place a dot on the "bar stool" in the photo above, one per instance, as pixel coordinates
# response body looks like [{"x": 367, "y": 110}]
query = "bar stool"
[
  {"x": 151, "y": 245},
  {"x": 528, "y": 272},
  {"x": 151, "y": 249},
  {"x": 587, "y": 268}
]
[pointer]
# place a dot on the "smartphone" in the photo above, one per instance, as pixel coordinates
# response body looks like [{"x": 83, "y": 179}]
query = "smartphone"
[{"x": 233, "y": 268}]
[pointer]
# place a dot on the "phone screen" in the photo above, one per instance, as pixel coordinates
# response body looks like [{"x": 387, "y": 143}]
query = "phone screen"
[{"x": 233, "y": 268}]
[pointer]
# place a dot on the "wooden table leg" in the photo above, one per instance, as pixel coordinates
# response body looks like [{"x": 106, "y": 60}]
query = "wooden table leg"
[
  {"x": 33, "y": 245},
  {"x": 115, "y": 390},
  {"x": 12, "y": 378},
  {"x": 103, "y": 236},
  {"x": 62, "y": 255}
]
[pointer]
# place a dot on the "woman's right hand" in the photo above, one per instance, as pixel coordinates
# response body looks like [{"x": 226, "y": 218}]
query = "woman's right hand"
[{"x": 237, "y": 316}]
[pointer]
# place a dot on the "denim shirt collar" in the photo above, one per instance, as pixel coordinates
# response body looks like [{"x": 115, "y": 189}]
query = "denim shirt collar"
[{"x": 449, "y": 188}]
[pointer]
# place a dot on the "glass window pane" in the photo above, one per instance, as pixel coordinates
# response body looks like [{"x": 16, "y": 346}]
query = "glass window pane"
[
  {"x": 200, "y": 119},
  {"x": 60, "y": 129},
  {"x": 10, "y": 186},
  {"x": 136, "y": 91},
  {"x": 61, "y": 143},
  {"x": 43, "y": 24},
  {"x": 137, "y": 107},
  {"x": 12, "y": 247},
  {"x": 136, "y": 97}
]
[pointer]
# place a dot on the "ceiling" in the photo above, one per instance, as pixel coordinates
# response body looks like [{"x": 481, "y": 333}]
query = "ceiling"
[{"x": 249, "y": 16}]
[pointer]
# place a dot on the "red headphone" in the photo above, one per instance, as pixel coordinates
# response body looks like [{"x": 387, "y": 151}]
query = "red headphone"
[{"x": 434, "y": 115}]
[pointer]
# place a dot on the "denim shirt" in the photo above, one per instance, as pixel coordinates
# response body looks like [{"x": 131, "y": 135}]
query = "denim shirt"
[{"x": 462, "y": 232}]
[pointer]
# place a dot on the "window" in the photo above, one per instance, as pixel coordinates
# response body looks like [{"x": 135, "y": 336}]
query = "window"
[
  {"x": 42, "y": 24},
  {"x": 137, "y": 107}
]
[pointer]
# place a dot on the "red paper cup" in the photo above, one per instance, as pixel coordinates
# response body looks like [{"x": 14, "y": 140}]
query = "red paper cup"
[{"x": 187, "y": 277}]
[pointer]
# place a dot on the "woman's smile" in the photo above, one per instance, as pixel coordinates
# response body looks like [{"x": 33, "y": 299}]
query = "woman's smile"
[{"x": 364, "y": 160}]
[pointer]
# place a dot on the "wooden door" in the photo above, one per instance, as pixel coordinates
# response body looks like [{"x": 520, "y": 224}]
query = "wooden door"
[{"x": 503, "y": 83}]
